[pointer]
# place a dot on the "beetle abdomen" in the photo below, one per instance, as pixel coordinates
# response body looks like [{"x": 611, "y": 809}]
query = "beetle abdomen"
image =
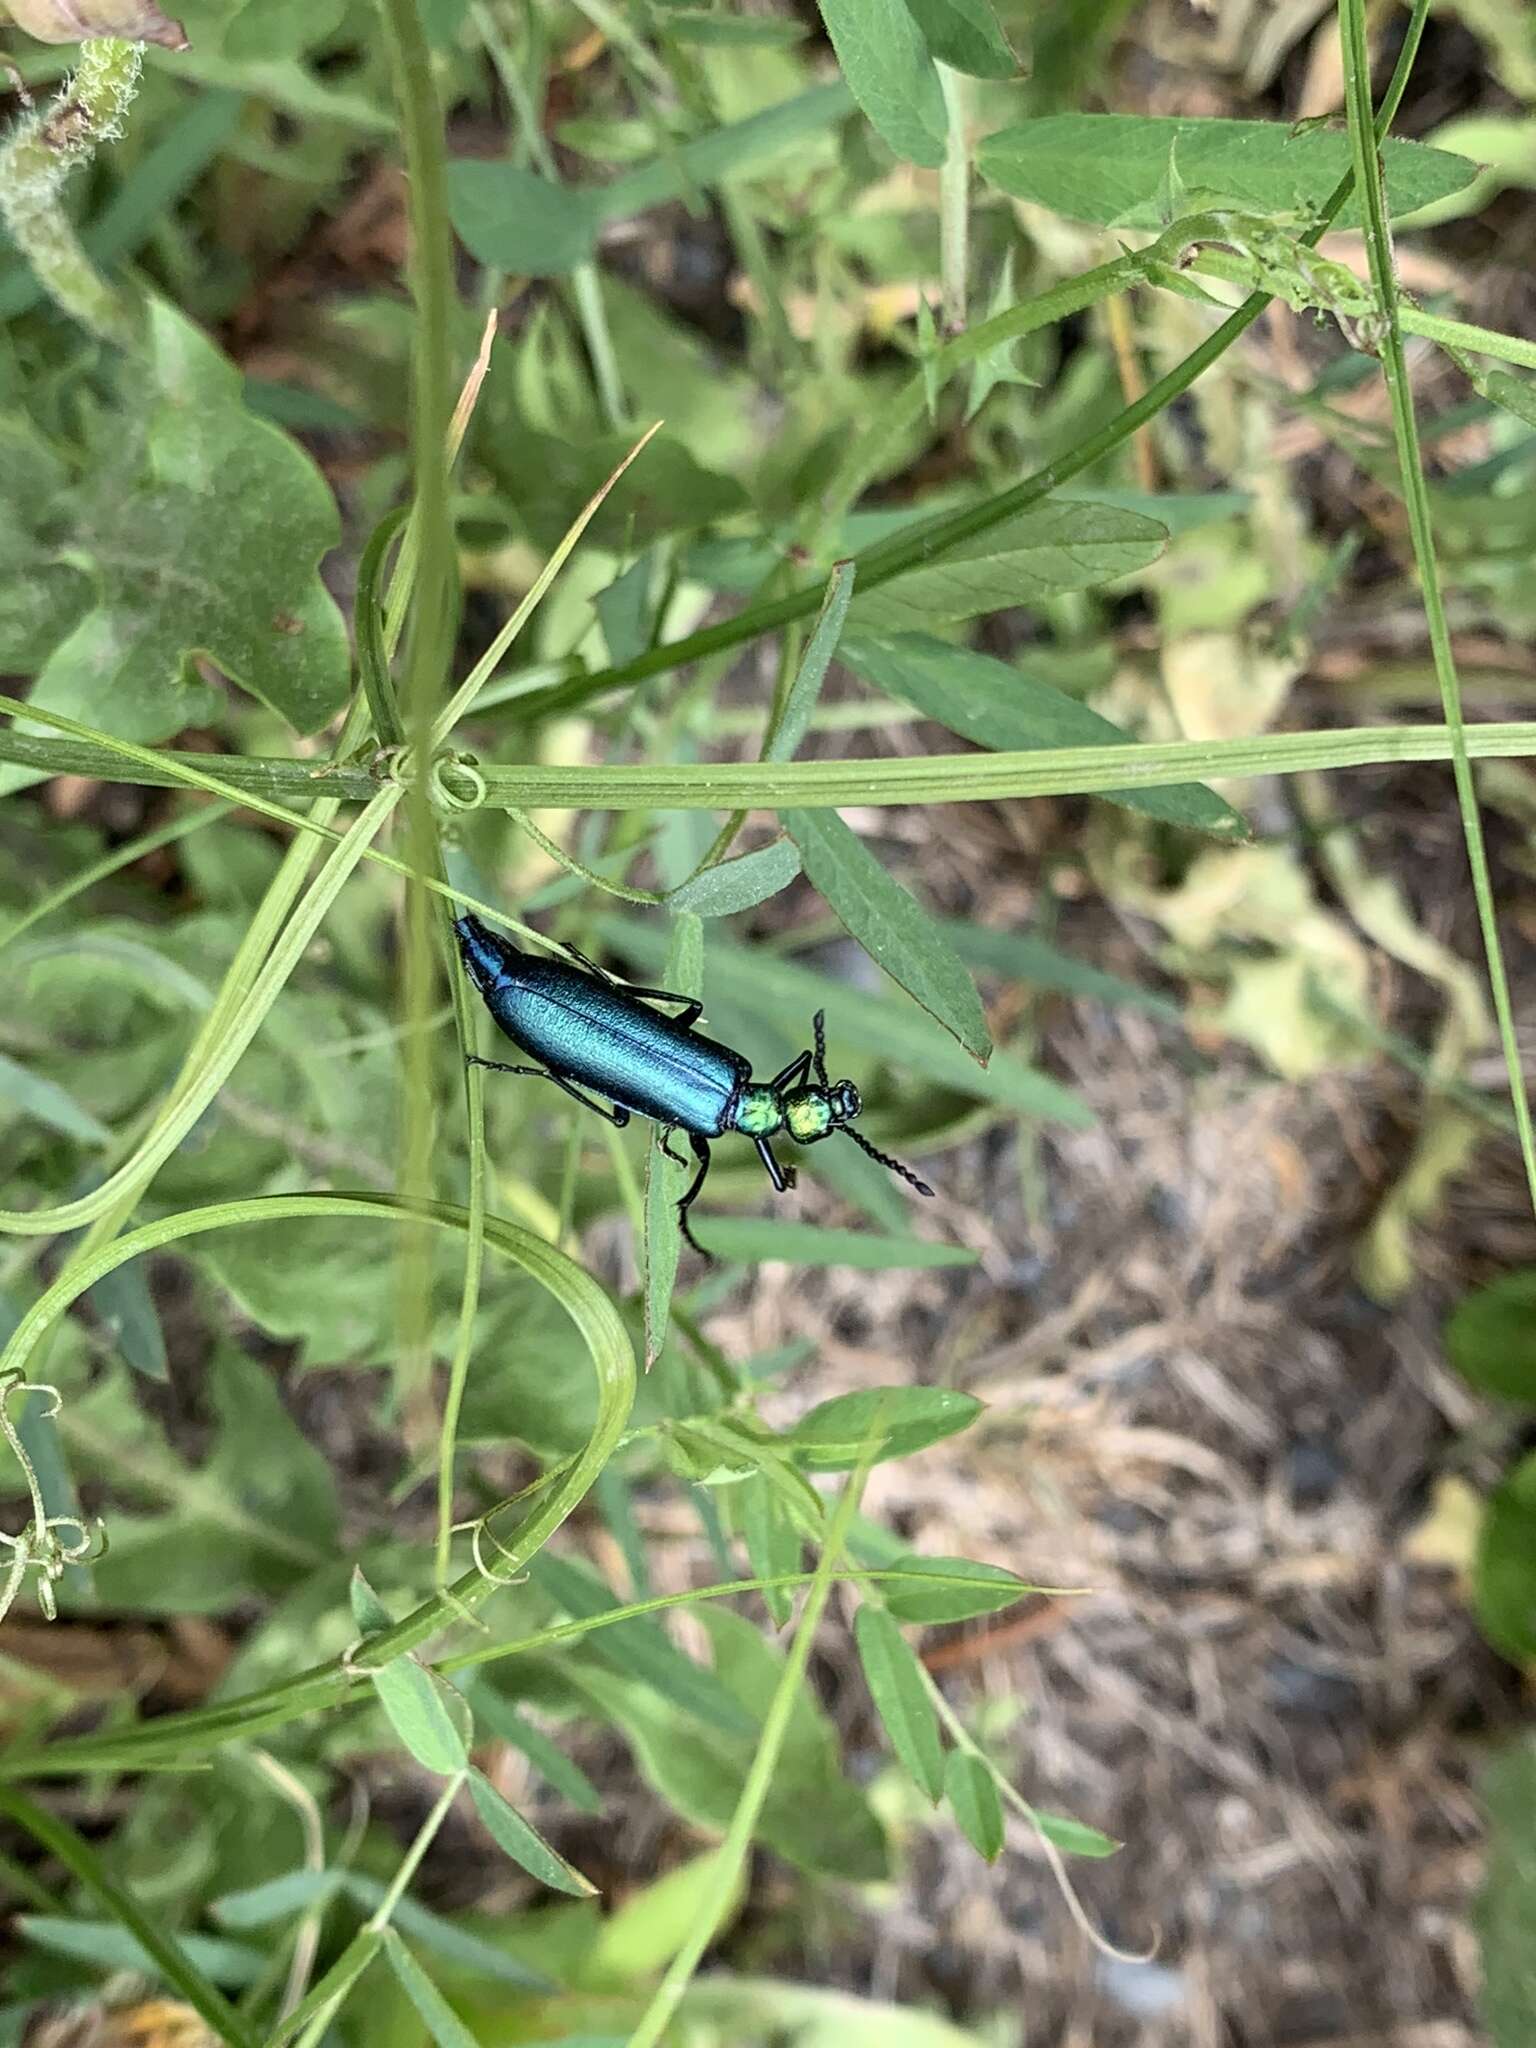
[{"x": 594, "y": 1034}]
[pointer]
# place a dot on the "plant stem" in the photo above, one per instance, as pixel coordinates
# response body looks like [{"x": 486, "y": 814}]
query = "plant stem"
[
  {"x": 35, "y": 164},
  {"x": 955, "y": 202},
  {"x": 1378, "y": 245},
  {"x": 427, "y": 653},
  {"x": 732, "y": 1854}
]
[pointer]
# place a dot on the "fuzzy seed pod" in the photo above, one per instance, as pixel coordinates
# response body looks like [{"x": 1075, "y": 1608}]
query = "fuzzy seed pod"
[{"x": 80, "y": 21}]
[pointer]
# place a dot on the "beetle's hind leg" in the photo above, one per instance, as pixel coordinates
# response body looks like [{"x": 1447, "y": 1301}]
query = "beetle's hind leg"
[
  {"x": 614, "y": 1112},
  {"x": 676, "y": 1158},
  {"x": 701, "y": 1153},
  {"x": 692, "y": 1008}
]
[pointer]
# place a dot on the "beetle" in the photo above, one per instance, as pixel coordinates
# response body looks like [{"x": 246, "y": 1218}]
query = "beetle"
[{"x": 589, "y": 1032}]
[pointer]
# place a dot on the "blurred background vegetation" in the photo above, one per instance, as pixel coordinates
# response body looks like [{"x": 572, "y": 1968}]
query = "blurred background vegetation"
[{"x": 1222, "y": 1316}]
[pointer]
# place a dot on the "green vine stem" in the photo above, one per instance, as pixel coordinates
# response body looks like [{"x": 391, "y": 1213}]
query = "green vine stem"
[
  {"x": 36, "y": 160},
  {"x": 1383, "y": 272}
]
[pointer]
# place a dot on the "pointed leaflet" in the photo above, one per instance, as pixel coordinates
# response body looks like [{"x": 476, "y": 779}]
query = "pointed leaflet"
[
  {"x": 437, "y": 2015},
  {"x": 1064, "y": 544},
  {"x": 896, "y": 1685},
  {"x": 972, "y": 1796},
  {"x": 1109, "y": 168},
  {"x": 431, "y": 1719},
  {"x": 965, "y": 35},
  {"x": 831, "y": 1437},
  {"x": 793, "y": 718},
  {"x": 898, "y": 935},
  {"x": 890, "y": 73},
  {"x": 524, "y": 1844},
  {"x": 739, "y": 884}
]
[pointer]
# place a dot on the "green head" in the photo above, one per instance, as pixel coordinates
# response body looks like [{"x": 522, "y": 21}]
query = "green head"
[{"x": 807, "y": 1110}]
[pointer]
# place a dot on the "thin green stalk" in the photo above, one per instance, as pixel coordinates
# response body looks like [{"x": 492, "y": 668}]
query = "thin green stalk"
[
  {"x": 36, "y": 161},
  {"x": 730, "y": 1859},
  {"x": 955, "y": 202},
  {"x": 81, "y": 1860},
  {"x": 427, "y": 643},
  {"x": 260, "y": 783},
  {"x": 586, "y": 288},
  {"x": 884, "y": 563},
  {"x": 1378, "y": 244},
  {"x": 189, "y": 1736}
]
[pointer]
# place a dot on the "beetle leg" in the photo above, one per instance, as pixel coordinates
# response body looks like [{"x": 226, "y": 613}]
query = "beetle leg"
[
  {"x": 666, "y": 1146},
  {"x": 793, "y": 1074},
  {"x": 782, "y": 1176},
  {"x": 693, "y": 1009},
  {"x": 701, "y": 1153},
  {"x": 615, "y": 1113}
]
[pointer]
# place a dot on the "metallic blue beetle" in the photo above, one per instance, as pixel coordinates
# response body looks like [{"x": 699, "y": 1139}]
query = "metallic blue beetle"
[{"x": 588, "y": 1031}]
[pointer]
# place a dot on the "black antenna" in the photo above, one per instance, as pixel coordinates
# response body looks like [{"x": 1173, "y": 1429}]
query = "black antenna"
[
  {"x": 819, "y": 1026},
  {"x": 885, "y": 1159}
]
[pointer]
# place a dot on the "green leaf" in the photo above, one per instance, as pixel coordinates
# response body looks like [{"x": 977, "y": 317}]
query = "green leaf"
[
  {"x": 793, "y": 718},
  {"x": 446, "y": 1938},
  {"x": 498, "y": 1714},
  {"x": 1005, "y": 708},
  {"x": 638, "y": 1648},
  {"x": 368, "y": 1610},
  {"x": 524, "y": 1844},
  {"x": 813, "y": 1817},
  {"x": 45, "y": 1101},
  {"x": 512, "y": 219},
  {"x": 1505, "y": 1911},
  {"x": 428, "y": 1716},
  {"x": 665, "y": 1179},
  {"x": 333, "y": 1986},
  {"x": 832, "y": 1436},
  {"x": 280, "y": 1898},
  {"x": 965, "y": 35},
  {"x": 1062, "y": 545},
  {"x": 1109, "y": 168},
  {"x": 1491, "y": 1338},
  {"x": 740, "y": 884},
  {"x": 436, "y": 2014},
  {"x": 111, "y": 1947},
  {"x": 127, "y": 1310},
  {"x": 1023, "y": 957},
  {"x": 972, "y": 1794},
  {"x": 977, "y": 1589},
  {"x": 747, "y": 1240},
  {"x": 1504, "y": 1577},
  {"x": 895, "y": 1681},
  {"x": 211, "y": 549},
  {"x": 786, "y": 994},
  {"x": 772, "y": 1540},
  {"x": 1075, "y": 1837},
  {"x": 891, "y": 926},
  {"x": 624, "y": 611},
  {"x": 890, "y": 73}
]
